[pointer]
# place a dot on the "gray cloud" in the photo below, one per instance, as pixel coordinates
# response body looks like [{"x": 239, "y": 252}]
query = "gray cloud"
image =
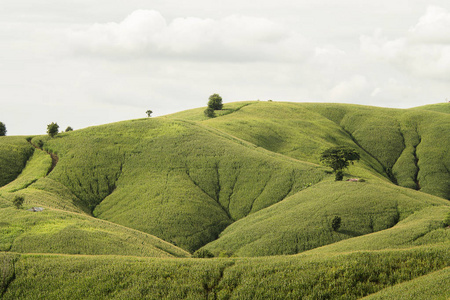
[
  {"x": 424, "y": 50},
  {"x": 146, "y": 33}
]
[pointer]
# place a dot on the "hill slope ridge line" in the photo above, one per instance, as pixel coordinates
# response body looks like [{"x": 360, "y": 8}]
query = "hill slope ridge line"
[{"x": 52, "y": 155}]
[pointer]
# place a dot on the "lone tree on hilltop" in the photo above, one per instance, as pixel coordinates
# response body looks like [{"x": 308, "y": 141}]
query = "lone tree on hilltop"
[
  {"x": 215, "y": 102},
  {"x": 69, "y": 129},
  {"x": 339, "y": 158},
  {"x": 18, "y": 201},
  {"x": 149, "y": 113},
  {"x": 2, "y": 129},
  {"x": 52, "y": 129}
]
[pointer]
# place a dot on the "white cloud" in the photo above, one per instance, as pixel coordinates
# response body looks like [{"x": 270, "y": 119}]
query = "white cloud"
[
  {"x": 423, "y": 51},
  {"x": 350, "y": 90},
  {"x": 328, "y": 54},
  {"x": 146, "y": 33},
  {"x": 433, "y": 27}
]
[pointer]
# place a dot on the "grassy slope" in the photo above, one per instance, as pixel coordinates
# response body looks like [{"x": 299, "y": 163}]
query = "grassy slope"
[
  {"x": 404, "y": 145},
  {"x": 14, "y": 153},
  {"x": 440, "y": 107},
  {"x": 175, "y": 179},
  {"x": 185, "y": 182},
  {"x": 388, "y": 140},
  {"x": 303, "y": 221},
  {"x": 54, "y": 231},
  {"x": 344, "y": 276},
  {"x": 37, "y": 189},
  {"x": 327, "y": 272},
  {"x": 121, "y": 173},
  {"x": 434, "y": 286},
  {"x": 424, "y": 227}
]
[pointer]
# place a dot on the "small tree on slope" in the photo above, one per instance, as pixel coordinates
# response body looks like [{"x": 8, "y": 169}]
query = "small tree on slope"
[
  {"x": 18, "y": 201},
  {"x": 336, "y": 223},
  {"x": 339, "y": 158}
]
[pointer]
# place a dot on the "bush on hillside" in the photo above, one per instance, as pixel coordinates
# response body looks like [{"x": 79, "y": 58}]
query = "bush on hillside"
[
  {"x": 447, "y": 220},
  {"x": 215, "y": 102},
  {"x": 18, "y": 202},
  {"x": 336, "y": 223},
  {"x": 209, "y": 112},
  {"x": 202, "y": 253},
  {"x": 2, "y": 129},
  {"x": 69, "y": 129},
  {"x": 52, "y": 129}
]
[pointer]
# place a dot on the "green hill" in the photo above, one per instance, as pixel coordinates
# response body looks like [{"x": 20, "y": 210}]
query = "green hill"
[
  {"x": 14, "y": 154},
  {"x": 407, "y": 146},
  {"x": 54, "y": 231},
  {"x": 177, "y": 180},
  {"x": 431, "y": 286},
  {"x": 119, "y": 199},
  {"x": 440, "y": 107},
  {"x": 344, "y": 276},
  {"x": 198, "y": 182},
  {"x": 303, "y": 221}
]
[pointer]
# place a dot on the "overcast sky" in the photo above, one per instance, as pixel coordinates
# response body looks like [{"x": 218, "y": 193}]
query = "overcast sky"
[{"x": 81, "y": 63}]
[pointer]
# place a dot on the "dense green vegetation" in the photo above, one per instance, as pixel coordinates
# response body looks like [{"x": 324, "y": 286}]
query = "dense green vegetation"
[
  {"x": 432, "y": 286},
  {"x": 345, "y": 276},
  {"x": 405, "y": 146},
  {"x": 439, "y": 107},
  {"x": 174, "y": 179},
  {"x": 54, "y": 231},
  {"x": 125, "y": 202},
  {"x": 303, "y": 221},
  {"x": 14, "y": 154}
]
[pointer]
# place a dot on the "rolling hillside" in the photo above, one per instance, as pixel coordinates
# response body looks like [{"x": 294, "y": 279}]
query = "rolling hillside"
[{"x": 247, "y": 183}]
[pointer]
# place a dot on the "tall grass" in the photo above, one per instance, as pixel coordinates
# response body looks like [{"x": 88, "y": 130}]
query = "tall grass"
[
  {"x": 37, "y": 167},
  {"x": 407, "y": 147},
  {"x": 14, "y": 154},
  {"x": 175, "y": 179},
  {"x": 433, "y": 286},
  {"x": 347, "y": 276},
  {"x": 424, "y": 227},
  {"x": 53, "y": 231},
  {"x": 303, "y": 221},
  {"x": 439, "y": 107},
  {"x": 244, "y": 183}
]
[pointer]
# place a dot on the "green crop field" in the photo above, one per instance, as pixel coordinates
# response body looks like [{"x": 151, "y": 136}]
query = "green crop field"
[
  {"x": 126, "y": 204},
  {"x": 432, "y": 286}
]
